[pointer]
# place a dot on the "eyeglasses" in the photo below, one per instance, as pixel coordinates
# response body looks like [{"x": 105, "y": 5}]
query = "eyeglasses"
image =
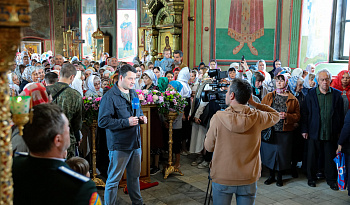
[{"x": 96, "y": 84}]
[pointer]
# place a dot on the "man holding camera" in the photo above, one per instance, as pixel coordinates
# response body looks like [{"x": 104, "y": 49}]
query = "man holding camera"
[{"x": 235, "y": 137}]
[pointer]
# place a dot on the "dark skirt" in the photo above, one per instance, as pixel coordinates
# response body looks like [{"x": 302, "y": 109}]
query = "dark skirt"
[{"x": 278, "y": 154}]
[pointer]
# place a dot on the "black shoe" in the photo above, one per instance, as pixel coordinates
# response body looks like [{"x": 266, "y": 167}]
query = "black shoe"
[
  {"x": 333, "y": 186},
  {"x": 279, "y": 182},
  {"x": 311, "y": 183},
  {"x": 270, "y": 180},
  {"x": 295, "y": 173},
  {"x": 154, "y": 171}
]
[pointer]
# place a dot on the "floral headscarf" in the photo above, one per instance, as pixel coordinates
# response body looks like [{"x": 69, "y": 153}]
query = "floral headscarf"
[
  {"x": 292, "y": 83},
  {"x": 27, "y": 73},
  {"x": 18, "y": 73},
  {"x": 163, "y": 83},
  {"x": 38, "y": 93}
]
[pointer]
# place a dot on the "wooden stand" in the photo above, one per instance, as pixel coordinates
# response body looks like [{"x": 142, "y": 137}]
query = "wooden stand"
[
  {"x": 170, "y": 168},
  {"x": 97, "y": 181}
]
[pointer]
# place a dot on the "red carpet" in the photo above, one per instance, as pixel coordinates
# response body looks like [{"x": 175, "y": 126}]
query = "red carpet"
[{"x": 143, "y": 185}]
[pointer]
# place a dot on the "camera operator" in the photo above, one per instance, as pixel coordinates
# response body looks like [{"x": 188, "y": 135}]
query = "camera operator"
[{"x": 235, "y": 136}]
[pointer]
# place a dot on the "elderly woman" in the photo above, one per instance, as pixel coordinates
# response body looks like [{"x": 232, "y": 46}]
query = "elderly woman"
[
  {"x": 94, "y": 87},
  {"x": 309, "y": 83},
  {"x": 342, "y": 83},
  {"x": 310, "y": 68},
  {"x": 276, "y": 154},
  {"x": 29, "y": 75},
  {"x": 149, "y": 78}
]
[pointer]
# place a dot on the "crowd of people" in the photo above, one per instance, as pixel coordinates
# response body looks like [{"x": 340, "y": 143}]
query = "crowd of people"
[{"x": 311, "y": 111}]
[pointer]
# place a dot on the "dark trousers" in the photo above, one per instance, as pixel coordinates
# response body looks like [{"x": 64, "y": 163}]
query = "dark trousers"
[
  {"x": 347, "y": 168},
  {"x": 327, "y": 148}
]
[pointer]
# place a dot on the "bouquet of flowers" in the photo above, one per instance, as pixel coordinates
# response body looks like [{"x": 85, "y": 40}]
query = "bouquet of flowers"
[
  {"x": 171, "y": 101},
  {"x": 90, "y": 109},
  {"x": 148, "y": 97}
]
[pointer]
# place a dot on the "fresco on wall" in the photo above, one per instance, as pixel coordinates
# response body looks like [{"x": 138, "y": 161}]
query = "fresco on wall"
[
  {"x": 143, "y": 14},
  {"x": 40, "y": 24},
  {"x": 315, "y": 32},
  {"x": 246, "y": 27},
  {"x": 105, "y": 13},
  {"x": 88, "y": 28},
  {"x": 126, "y": 30},
  {"x": 72, "y": 13}
]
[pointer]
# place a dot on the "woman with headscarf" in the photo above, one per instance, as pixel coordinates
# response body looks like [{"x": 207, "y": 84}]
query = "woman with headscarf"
[
  {"x": 29, "y": 75},
  {"x": 94, "y": 87},
  {"x": 310, "y": 68},
  {"x": 258, "y": 87},
  {"x": 149, "y": 78},
  {"x": 342, "y": 83},
  {"x": 309, "y": 83},
  {"x": 77, "y": 83},
  {"x": 276, "y": 155},
  {"x": 295, "y": 85},
  {"x": 186, "y": 91},
  {"x": 163, "y": 84},
  {"x": 276, "y": 64},
  {"x": 14, "y": 87},
  {"x": 38, "y": 94},
  {"x": 297, "y": 72},
  {"x": 261, "y": 64}
]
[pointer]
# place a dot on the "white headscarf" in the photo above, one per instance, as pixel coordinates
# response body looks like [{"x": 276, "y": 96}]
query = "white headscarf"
[
  {"x": 27, "y": 73},
  {"x": 183, "y": 77},
  {"x": 297, "y": 72},
  {"x": 90, "y": 83},
  {"x": 308, "y": 68},
  {"x": 77, "y": 83},
  {"x": 151, "y": 75}
]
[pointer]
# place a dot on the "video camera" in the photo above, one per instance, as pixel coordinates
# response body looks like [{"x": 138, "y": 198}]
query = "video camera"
[{"x": 216, "y": 94}]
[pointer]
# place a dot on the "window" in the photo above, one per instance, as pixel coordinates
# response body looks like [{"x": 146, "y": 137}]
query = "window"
[{"x": 345, "y": 31}]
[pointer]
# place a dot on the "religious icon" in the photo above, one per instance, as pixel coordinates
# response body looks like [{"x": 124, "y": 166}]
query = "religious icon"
[
  {"x": 89, "y": 29},
  {"x": 246, "y": 23},
  {"x": 126, "y": 35}
]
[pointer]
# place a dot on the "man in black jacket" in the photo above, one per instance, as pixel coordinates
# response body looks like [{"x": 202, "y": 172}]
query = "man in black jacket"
[
  {"x": 44, "y": 171},
  {"x": 323, "y": 119},
  {"x": 123, "y": 136}
]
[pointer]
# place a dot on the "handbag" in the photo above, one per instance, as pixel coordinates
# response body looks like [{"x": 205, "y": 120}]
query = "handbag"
[
  {"x": 340, "y": 163},
  {"x": 267, "y": 135}
]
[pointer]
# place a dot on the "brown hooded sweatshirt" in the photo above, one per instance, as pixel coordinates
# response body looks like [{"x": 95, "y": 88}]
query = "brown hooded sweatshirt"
[{"x": 235, "y": 137}]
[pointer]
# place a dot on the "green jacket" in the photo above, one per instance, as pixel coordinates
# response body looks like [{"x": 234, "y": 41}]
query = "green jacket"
[
  {"x": 71, "y": 102},
  {"x": 47, "y": 181}
]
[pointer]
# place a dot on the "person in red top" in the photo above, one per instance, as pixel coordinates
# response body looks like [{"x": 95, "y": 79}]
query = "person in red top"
[{"x": 342, "y": 83}]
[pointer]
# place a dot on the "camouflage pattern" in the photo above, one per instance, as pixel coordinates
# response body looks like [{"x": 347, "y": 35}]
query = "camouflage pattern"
[{"x": 71, "y": 102}]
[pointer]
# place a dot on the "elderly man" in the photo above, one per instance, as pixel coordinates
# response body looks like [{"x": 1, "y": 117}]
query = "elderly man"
[
  {"x": 44, "y": 170},
  {"x": 322, "y": 122},
  {"x": 59, "y": 59}
]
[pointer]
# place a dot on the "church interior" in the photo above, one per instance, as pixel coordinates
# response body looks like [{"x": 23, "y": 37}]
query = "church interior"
[{"x": 100, "y": 36}]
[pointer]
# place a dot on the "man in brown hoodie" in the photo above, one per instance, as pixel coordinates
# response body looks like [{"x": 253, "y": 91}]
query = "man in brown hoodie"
[{"x": 235, "y": 137}]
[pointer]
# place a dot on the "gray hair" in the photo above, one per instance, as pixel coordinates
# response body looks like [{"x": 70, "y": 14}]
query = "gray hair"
[{"x": 324, "y": 70}]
